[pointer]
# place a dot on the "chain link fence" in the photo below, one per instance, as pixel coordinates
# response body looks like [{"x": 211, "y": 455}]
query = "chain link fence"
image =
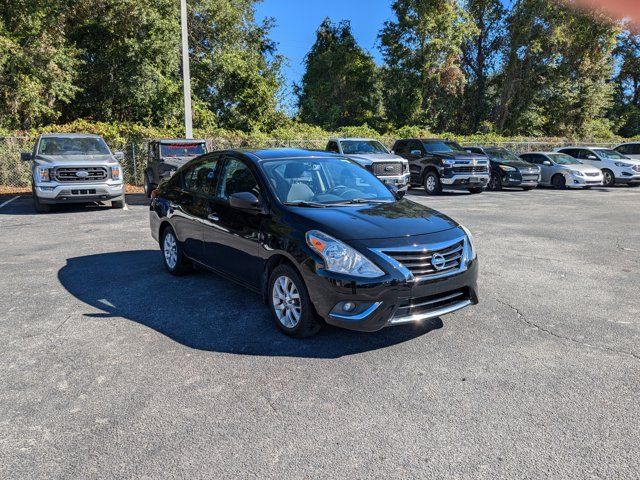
[{"x": 15, "y": 174}]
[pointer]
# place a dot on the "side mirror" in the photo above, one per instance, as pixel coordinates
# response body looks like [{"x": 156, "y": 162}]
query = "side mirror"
[
  {"x": 244, "y": 201},
  {"x": 393, "y": 189},
  {"x": 119, "y": 156},
  {"x": 25, "y": 157},
  {"x": 592, "y": 157},
  {"x": 547, "y": 163},
  {"x": 416, "y": 153}
]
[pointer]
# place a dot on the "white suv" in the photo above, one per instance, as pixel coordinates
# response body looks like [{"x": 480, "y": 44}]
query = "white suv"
[{"x": 616, "y": 168}]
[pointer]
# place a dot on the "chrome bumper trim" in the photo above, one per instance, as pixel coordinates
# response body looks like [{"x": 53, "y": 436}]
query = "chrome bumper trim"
[{"x": 431, "y": 314}]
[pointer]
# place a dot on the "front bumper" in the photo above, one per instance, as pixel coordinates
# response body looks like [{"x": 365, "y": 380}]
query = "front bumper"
[
  {"x": 53, "y": 193},
  {"x": 581, "y": 182},
  {"x": 516, "y": 179},
  {"x": 400, "y": 181},
  {"x": 628, "y": 177},
  {"x": 464, "y": 182}
]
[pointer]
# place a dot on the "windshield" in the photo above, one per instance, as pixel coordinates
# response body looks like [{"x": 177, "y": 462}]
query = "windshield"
[
  {"x": 322, "y": 182},
  {"x": 440, "y": 147},
  {"x": 502, "y": 155},
  {"x": 73, "y": 146},
  {"x": 563, "y": 159},
  {"x": 610, "y": 154},
  {"x": 182, "y": 150},
  {"x": 350, "y": 147}
]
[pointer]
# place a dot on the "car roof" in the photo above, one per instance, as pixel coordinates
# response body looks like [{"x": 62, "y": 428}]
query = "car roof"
[
  {"x": 69, "y": 135},
  {"x": 540, "y": 153},
  {"x": 176, "y": 140},
  {"x": 285, "y": 154}
]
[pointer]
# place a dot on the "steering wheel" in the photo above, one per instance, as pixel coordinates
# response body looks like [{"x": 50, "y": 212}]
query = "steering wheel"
[{"x": 338, "y": 190}]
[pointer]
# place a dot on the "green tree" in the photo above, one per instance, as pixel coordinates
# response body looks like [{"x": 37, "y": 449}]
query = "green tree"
[
  {"x": 480, "y": 59},
  {"x": 37, "y": 63},
  {"x": 626, "y": 112},
  {"x": 340, "y": 85},
  {"x": 558, "y": 67},
  {"x": 422, "y": 48}
]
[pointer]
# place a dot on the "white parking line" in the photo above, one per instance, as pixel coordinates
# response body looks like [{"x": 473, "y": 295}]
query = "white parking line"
[{"x": 9, "y": 201}]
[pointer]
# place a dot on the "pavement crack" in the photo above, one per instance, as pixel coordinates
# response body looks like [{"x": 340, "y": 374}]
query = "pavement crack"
[{"x": 523, "y": 318}]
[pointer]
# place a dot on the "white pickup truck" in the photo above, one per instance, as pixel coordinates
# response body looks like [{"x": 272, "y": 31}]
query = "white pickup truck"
[
  {"x": 74, "y": 168},
  {"x": 371, "y": 154}
]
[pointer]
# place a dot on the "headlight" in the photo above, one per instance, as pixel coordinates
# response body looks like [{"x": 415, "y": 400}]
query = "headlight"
[
  {"x": 470, "y": 246},
  {"x": 623, "y": 165},
  {"x": 448, "y": 163},
  {"x": 42, "y": 174},
  {"x": 116, "y": 172},
  {"x": 576, "y": 173},
  {"x": 341, "y": 258},
  {"x": 506, "y": 168}
]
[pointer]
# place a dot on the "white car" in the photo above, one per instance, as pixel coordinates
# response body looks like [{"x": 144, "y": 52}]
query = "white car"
[
  {"x": 616, "y": 168},
  {"x": 562, "y": 171}
]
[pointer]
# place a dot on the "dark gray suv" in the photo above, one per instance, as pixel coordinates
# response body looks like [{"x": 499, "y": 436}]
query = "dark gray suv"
[{"x": 166, "y": 156}]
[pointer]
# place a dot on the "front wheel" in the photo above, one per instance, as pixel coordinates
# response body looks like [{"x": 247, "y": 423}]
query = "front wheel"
[
  {"x": 609, "y": 178},
  {"x": 558, "y": 181},
  {"x": 432, "y": 184},
  {"x": 290, "y": 303},
  {"x": 118, "y": 204},
  {"x": 40, "y": 207},
  {"x": 174, "y": 260},
  {"x": 495, "y": 184}
]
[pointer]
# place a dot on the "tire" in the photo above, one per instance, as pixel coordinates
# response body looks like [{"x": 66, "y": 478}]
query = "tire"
[
  {"x": 118, "y": 204},
  {"x": 290, "y": 303},
  {"x": 148, "y": 186},
  {"x": 432, "y": 184},
  {"x": 558, "y": 181},
  {"x": 174, "y": 260},
  {"x": 476, "y": 190},
  {"x": 40, "y": 207},
  {"x": 609, "y": 178},
  {"x": 495, "y": 183}
]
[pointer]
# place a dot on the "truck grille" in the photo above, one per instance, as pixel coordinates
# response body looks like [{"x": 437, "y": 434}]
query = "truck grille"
[
  {"x": 424, "y": 305},
  {"x": 471, "y": 169},
  {"x": 385, "y": 169},
  {"x": 81, "y": 174},
  {"x": 421, "y": 263}
]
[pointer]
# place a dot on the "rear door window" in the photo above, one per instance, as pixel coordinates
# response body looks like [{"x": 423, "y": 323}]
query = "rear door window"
[{"x": 201, "y": 177}]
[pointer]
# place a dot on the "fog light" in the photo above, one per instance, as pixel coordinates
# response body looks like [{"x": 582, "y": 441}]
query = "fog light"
[{"x": 349, "y": 307}]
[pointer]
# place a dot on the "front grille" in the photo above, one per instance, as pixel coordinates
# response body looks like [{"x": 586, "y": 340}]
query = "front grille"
[
  {"x": 592, "y": 174},
  {"x": 421, "y": 262},
  {"x": 424, "y": 305},
  {"x": 530, "y": 178},
  {"x": 71, "y": 174},
  {"x": 471, "y": 169},
  {"x": 384, "y": 169}
]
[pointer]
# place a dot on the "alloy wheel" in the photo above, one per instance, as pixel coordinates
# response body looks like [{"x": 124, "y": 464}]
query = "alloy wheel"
[
  {"x": 170, "y": 250},
  {"x": 431, "y": 183},
  {"x": 286, "y": 302},
  {"x": 608, "y": 178}
]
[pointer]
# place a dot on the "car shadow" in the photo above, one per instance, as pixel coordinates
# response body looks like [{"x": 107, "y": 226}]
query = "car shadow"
[
  {"x": 138, "y": 199},
  {"x": 204, "y": 311}
]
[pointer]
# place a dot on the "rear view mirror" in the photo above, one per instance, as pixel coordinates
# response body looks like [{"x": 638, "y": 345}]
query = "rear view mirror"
[
  {"x": 416, "y": 153},
  {"x": 25, "y": 157},
  {"x": 244, "y": 201},
  {"x": 119, "y": 156}
]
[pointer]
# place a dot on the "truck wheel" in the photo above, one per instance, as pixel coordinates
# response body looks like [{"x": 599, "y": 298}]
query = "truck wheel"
[
  {"x": 119, "y": 204},
  {"x": 147, "y": 186},
  {"x": 40, "y": 207},
  {"x": 476, "y": 190},
  {"x": 609, "y": 178},
  {"x": 432, "y": 184}
]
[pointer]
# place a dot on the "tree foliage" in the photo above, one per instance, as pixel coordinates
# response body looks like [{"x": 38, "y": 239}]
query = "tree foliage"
[{"x": 340, "y": 86}]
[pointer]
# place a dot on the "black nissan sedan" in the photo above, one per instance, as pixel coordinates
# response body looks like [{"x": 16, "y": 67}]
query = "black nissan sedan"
[{"x": 318, "y": 236}]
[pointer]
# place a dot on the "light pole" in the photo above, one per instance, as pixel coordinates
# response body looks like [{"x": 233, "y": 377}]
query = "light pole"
[{"x": 186, "y": 72}]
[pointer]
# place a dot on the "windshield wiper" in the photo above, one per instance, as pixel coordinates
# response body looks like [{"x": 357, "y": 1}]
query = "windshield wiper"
[
  {"x": 306, "y": 204},
  {"x": 364, "y": 200}
]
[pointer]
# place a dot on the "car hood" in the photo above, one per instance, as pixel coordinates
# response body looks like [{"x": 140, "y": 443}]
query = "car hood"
[
  {"x": 368, "y": 159},
  {"x": 403, "y": 218},
  {"x": 463, "y": 156},
  {"x": 518, "y": 165},
  {"x": 74, "y": 159},
  {"x": 177, "y": 161}
]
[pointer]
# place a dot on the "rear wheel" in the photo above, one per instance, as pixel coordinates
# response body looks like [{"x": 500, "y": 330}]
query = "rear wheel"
[
  {"x": 609, "y": 178},
  {"x": 559, "y": 182},
  {"x": 174, "y": 260},
  {"x": 290, "y": 303},
  {"x": 432, "y": 184}
]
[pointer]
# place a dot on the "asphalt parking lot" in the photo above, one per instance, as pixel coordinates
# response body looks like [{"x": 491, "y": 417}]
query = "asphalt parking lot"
[{"x": 113, "y": 369}]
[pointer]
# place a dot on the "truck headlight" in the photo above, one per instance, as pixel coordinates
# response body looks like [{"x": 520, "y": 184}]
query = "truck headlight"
[
  {"x": 470, "y": 252},
  {"x": 341, "y": 258},
  {"x": 116, "y": 172},
  {"x": 43, "y": 175}
]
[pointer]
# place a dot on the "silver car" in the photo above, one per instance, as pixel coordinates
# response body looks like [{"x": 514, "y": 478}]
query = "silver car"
[{"x": 563, "y": 171}]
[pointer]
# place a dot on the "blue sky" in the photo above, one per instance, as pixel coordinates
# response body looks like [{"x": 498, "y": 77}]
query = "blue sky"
[{"x": 297, "y": 22}]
